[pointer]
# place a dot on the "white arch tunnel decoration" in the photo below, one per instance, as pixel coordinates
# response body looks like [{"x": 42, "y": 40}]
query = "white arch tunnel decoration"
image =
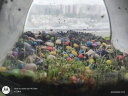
[
  {"x": 118, "y": 15},
  {"x": 13, "y": 14}
]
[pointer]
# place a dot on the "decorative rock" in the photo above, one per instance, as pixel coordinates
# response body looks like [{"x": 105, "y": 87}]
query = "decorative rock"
[
  {"x": 91, "y": 60},
  {"x": 91, "y": 53},
  {"x": 62, "y": 39},
  {"x": 30, "y": 34},
  {"x": 54, "y": 48},
  {"x": 2, "y": 69},
  {"x": 71, "y": 55},
  {"x": 101, "y": 47},
  {"x": 97, "y": 56},
  {"x": 84, "y": 47},
  {"x": 89, "y": 43},
  {"x": 81, "y": 56},
  {"x": 58, "y": 41},
  {"x": 73, "y": 79},
  {"x": 120, "y": 57},
  {"x": 14, "y": 53},
  {"x": 49, "y": 48},
  {"x": 25, "y": 37},
  {"x": 87, "y": 68},
  {"x": 74, "y": 53},
  {"x": 41, "y": 55},
  {"x": 45, "y": 75},
  {"x": 104, "y": 44},
  {"x": 77, "y": 59},
  {"x": 69, "y": 59},
  {"x": 108, "y": 62},
  {"x": 48, "y": 36},
  {"x": 27, "y": 46},
  {"x": 9, "y": 67},
  {"x": 65, "y": 55},
  {"x": 94, "y": 45},
  {"x": 51, "y": 57},
  {"x": 30, "y": 38},
  {"x": 20, "y": 66},
  {"x": 126, "y": 76},
  {"x": 68, "y": 47},
  {"x": 31, "y": 67},
  {"x": 35, "y": 43},
  {"x": 39, "y": 41},
  {"x": 81, "y": 51},
  {"x": 53, "y": 53},
  {"x": 75, "y": 45},
  {"x": 108, "y": 46},
  {"x": 67, "y": 43},
  {"x": 124, "y": 54},
  {"x": 43, "y": 47},
  {"x": 93, "y": 41},
  {"x": 37, "y": 36},
  {"x": 65, "y": 52},
  {"x": 49, "y": 44},
  {"x": 86, "y": 53}
]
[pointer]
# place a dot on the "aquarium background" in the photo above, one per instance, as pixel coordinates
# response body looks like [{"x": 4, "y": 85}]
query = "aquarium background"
[{"x": 64, "y": 14}]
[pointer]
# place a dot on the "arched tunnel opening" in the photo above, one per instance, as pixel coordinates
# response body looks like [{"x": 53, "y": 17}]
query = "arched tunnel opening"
[
  {"x": 73, "y": 15},
  {"x": 55, "y": 62}
]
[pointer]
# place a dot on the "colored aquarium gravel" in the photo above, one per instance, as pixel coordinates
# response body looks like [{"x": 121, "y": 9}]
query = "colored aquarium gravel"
[{"x": 71, "y": 57}]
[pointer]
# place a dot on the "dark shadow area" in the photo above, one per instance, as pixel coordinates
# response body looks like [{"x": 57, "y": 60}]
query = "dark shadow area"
[{"x": 51, "y": 89}]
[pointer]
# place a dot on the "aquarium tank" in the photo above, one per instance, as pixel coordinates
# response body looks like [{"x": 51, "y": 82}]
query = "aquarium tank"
[{"x": 65, "y": 49}]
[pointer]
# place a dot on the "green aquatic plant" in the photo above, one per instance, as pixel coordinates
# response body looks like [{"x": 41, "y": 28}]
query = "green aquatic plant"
[
  {"x": 7, "y": 62},
  {"x": 106, "y": 38}
]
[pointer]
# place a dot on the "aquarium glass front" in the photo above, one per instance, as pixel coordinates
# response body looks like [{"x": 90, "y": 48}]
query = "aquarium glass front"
[{"x": 66, "y": 42}]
